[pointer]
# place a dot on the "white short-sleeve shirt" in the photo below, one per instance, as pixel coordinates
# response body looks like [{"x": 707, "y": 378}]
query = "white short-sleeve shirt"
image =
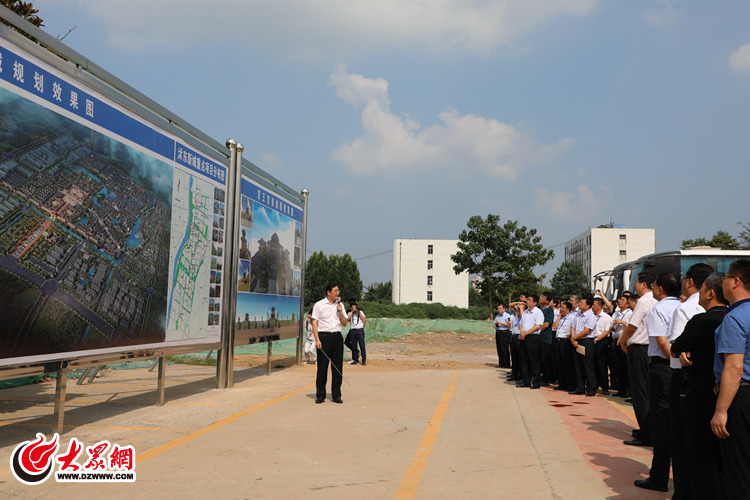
[
  {"x": 327, "y": 315},
  {"x": 638, "y": 319},
  {"x": 658, "y": 321}
]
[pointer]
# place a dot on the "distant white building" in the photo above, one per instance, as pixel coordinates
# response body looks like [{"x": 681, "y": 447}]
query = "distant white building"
[
  {"x": 423, "y": 272},
  {"x": 602, "y": 248}
]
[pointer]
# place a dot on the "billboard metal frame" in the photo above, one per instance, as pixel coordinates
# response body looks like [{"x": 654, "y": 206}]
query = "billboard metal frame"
[{"x": 74, "y": 65}]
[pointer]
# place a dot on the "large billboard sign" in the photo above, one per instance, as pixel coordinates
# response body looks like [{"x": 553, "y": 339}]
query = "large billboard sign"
[
  {"x": 269, "y": 280},
  {"x": 112, "y": 231}
]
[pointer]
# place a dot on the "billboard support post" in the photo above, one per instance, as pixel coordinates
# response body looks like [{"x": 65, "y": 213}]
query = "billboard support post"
[
  {"x": 230, "y": 286},
  {"x": 303, "y": 263},
  {"x": 222, "y": 356},
  {"x": 60, "y": 389},
  {"x": 161, "y": 381}
]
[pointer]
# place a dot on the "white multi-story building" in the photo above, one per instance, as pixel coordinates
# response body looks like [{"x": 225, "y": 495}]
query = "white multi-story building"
[
  {"x": 423, "y": 272},
  {"x": 602, "y": 248}
]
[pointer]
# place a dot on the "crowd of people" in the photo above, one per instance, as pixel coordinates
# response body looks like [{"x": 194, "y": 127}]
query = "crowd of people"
[{"x": 678, "y": 349}]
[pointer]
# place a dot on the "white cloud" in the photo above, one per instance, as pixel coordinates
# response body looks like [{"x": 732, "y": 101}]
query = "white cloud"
[
  {"x": 329, "y": 29},
  {"x": 740, "y": 59},
  {"x": 570, "y": 204},
  {"x": 270, "y": 162},
  {"x": 459, "y": 142},
  {"x": 665, "y": 15}
]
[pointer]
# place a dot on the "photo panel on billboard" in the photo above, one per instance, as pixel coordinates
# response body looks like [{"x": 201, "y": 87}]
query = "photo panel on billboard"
[
  {"x": 269, "y": 277},
  {"x": 111, "y": 230}
]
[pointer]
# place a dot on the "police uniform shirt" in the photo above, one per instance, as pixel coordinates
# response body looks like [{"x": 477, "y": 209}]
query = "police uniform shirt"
[
  {"x": 658, "y": 321},
  {"x": 563, "y": 328},
  {"x": 327, "y": 315},
  {"x": 603, "y": 324},
  {"x": 531, "y": 318},
  {"x": 638, "y": 319}
]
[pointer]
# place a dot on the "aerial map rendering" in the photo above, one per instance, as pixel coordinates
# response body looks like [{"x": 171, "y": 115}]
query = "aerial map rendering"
[{"x": 85, "y": 227}]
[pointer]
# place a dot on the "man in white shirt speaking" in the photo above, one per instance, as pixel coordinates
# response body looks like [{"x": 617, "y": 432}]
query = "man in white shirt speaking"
[{"x": 328, "y": 317}]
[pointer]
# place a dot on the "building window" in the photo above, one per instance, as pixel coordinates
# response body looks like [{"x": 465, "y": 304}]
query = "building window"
[
  {"x": 429, "y": 264},
  {"x": 623, "y": 254},
  {"x": 429, "y": 296},
  {"x": 623, "y": 238},
  {"x": 429, "y": 249},
  {"x": 429, "y": 280}
]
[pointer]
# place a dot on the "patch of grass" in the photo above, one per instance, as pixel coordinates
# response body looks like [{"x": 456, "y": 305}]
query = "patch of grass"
[{"x": 192, "y": 360}]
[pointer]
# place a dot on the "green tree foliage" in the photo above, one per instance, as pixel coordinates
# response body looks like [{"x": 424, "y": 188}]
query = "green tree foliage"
[
  {"x": 504, "y": 256},
  {"x": 420, "y": 310},
  {"x": 569, "y": 279},
  {"x": 721, "y": 239},
  {"x": 475, "y": 297},
  {"x": 322, "y": 269},
  {"x": 744, "y": 238},
  {"x": 382, "y": 292},
  {"x": 25, "y": 10}
]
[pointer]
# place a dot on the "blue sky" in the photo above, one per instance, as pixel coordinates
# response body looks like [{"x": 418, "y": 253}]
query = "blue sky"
[{"x": 404, "y": 118}]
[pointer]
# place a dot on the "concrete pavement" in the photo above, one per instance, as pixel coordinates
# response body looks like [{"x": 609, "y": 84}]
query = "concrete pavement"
[{"x": 399, "y": 434}]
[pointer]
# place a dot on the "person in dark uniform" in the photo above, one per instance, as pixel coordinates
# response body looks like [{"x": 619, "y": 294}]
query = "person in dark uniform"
[{"x": 695, "y": 349}]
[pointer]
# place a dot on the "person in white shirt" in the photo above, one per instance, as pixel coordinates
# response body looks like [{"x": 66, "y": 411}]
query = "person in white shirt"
[
  {"x": 311, "y": 354},
  {"x": 358, "y": 320},
  {"x": 582, "y": 335},
  {"x": 602, "y": 344},
  {"x": 634, "y": 342},
  {"x": 563, "y": 324},
  {"x": 620, "y": 320},
  {"x": 328, "y": 316},
  {"x": 692, "y": 282},
  {"x": 531, "y": 345},
  {"x": 502, "y": 336},
  {"x": 666, "y": 290}
]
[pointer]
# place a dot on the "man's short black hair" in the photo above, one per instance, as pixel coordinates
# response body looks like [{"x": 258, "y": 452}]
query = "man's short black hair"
[
  {"x": 533, "y": 297},
  {"x": 548, "y": 296},
  {"x": 698, "y": 273},
  {"x": 330, "y": 286},
  {"x": 714, "y": 282},
  {"x": 741, "y": 269},
  {"x": 670, "y": 284},
  {"x": 647, "y": 278}
]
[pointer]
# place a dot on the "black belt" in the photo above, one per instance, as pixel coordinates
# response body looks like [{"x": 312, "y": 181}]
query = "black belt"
[
  {"x": 329, "y": 333},
  {"x": 502, "y": 331},
  {"x": 356, "y": 329},
  {"x": 743, "y": 383},
  {"x": 659, "y": 361}
]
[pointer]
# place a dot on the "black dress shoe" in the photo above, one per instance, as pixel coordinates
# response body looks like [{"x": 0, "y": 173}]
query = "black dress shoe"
[
  {"x": 544, "y": 384},
  {"x": 619, "y": 394},
  {"x": 648, "y": 485},
  {"x": 534, "y": 386},
  {"x": 521, "y": 384},
  {"x": 636, "y": 442},
  {"x": 560, "y": 388},
  {"x": 338, "y": 400},
  {"x": 605, "y": 392},
  {"x": 576, "y": 393},
  {"x": 319, "y": 400},
  {"x": 590, "y": 393}
]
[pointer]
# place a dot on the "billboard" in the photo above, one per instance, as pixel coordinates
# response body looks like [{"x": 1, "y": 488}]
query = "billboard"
[
  {"x": 112, "y": 231},
  {"x": 269, "y": 277}
]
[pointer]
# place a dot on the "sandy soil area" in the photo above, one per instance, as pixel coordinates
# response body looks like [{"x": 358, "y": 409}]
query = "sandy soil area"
[{"x": 416, "y": 351}]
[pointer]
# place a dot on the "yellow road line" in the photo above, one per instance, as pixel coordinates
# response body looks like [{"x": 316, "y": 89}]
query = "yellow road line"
[
  {"x": 627, "y": 410},
  {"x": 413, "y": 476},
  {"x": 142, "y": 457}
]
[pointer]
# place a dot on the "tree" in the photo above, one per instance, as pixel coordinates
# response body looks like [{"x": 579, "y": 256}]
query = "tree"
[
  {"x": 569, "y": 279},
  {"x": 382, "y": 292},
  {"x": 721, "y": 239},
  {"x": 503, "y": 256},
  {"x": 744, "y": 238},
  {"x": 322, "y": 269},
  {"x": 25, "y": 10}
]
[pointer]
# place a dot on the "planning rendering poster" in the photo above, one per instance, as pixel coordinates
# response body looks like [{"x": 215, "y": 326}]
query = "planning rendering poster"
[{"x": 111, "y": 230}]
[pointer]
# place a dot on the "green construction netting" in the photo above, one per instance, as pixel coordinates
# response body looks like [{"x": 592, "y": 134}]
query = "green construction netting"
[{"x": 377, "y": 330}]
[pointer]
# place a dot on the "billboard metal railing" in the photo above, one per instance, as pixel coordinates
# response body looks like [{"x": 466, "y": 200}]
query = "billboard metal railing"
[{"x": 126, "y": 232}]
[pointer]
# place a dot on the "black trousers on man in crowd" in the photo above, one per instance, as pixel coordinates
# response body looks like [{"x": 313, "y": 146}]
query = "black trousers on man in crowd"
[
  {"x": 639, "y": 369},
  {"x": 701, "y": 444},
  {"x": 515, "y": 357},
  {"x": 620, "y": 367},
  {"x": 502, "y": 343},
  {"x": 333, "y": 349},
  {"x": 602, "y": 350},
  {"x": 660, "y": 385},
  {"x": 531, "y": 368},
  {"x": 735, "y": 478},
  {"x": 585, "y": 367}
]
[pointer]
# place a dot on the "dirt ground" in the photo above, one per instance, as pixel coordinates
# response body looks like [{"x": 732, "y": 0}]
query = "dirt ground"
[{"x": 417, "y": 351}]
